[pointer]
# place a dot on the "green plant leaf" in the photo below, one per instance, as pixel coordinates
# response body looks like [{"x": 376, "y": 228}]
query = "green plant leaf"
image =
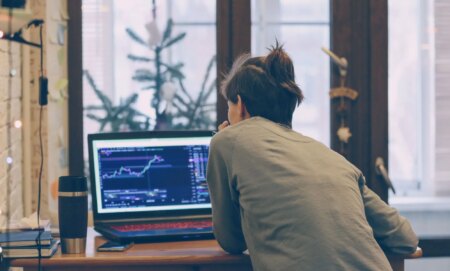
[
  {"x": 130, "y": 100},
  {"x": 136, "y": 37},
  {"x": 139, "y": 58},
  {"x": 142, "y": 78},
  {"x": 145, "y": 72},
  {"x": 103, "y": 98},
  {"x": 149, "y": 87},
  {"x": 94, "y": 107},
  {"x": 177, "y": 66},
  {"x": 102, "y": 126},
  {"x": 144, "y": 75},
  {"x": 168, "y": 30},
  {"x": 174, "y": 71},
  {"x": 94, "y": 117},
  {"x": 211, "y": 87},
  {"x": 119, "y": 117},
  {"x": 208, "y": 71},
  {"x": 175, "y": 40},
  {"x": 180, "y": 100}
]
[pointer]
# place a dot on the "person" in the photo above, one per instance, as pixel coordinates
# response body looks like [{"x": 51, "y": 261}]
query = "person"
[{"x": 290, "y": 200}]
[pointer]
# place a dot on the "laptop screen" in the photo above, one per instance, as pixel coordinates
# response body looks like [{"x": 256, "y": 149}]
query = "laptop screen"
[{"x": 150, "y": 174}]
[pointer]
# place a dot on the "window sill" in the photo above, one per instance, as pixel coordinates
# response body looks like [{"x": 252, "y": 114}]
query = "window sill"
[{"x": 420, "y": 204}]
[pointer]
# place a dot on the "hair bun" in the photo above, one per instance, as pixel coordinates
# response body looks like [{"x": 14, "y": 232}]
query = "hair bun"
[
  {"x": 279, "y": 64},
  {"x": 279, "y": 67}
]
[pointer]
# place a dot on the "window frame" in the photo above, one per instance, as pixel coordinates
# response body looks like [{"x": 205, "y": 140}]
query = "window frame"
[
  {"x": 75, "y": 73},
  {"x": 368, "y": 74},
  {"x": 233, "y": 38},
  {"x": 358, "y": 32}
]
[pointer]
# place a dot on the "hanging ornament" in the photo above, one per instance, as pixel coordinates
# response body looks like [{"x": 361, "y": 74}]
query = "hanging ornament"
[
  {"x": 154, "y": 34},
  {"x": 343, "y": 92},
  {"x": 169, "y": 108},
  {"x": 346, "y": 96},
  {"x": 168, "y": 90},
  {"x": 344, "y": 134}
]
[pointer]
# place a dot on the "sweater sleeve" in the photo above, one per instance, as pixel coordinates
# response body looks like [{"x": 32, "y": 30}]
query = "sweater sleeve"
[
  {"x": 225, "y": 207},
  {"x": 392, "y": 231}
]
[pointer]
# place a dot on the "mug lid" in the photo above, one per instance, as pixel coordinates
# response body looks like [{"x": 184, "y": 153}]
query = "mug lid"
[{"x": 72, "y": 184}]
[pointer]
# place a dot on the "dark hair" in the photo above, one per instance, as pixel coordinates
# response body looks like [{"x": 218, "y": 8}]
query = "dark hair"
[{"x": 266, "y": 85}]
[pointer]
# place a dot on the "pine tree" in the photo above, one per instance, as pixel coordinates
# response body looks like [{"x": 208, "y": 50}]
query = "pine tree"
[
  {"x": 121, "y": 117},
  {"x": 162, "y": 77}
]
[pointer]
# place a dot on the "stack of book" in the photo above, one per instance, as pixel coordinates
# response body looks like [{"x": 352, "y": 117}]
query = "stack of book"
[{"x": 24, "y": 244}]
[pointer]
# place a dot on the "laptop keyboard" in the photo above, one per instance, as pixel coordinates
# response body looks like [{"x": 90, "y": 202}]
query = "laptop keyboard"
[{"x": 163, "y": 226}]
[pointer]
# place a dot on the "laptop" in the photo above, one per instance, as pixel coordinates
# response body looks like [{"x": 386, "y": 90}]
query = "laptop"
[{"x": 150, "y": 186}]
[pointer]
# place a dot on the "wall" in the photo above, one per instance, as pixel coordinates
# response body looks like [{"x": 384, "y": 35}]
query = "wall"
[
  {"x": 57, "y": 119},
  {"x": 54, "y": 122},
  {"x": 23, "y": 144},
  {"x": 10, "y": 137}
]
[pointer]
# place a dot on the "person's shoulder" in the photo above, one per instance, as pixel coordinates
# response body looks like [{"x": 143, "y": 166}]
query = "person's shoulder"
[
  {"x": 326, "y": 151},
  {"x": 233, "y": 131},
  {"x": 224, "y": 137},
  {"x": 344, "y": 161},
  {"x": 231, "y": 135}
]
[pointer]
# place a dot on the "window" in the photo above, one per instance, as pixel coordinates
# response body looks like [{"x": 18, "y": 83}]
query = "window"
[
  {"x": 419, "y": 145},
  {"x": 410, "y": 60},
  {"x": 303, "y": 27},
  {"x": 419, "y": 117},
  {"x": 148, "y": 65}
]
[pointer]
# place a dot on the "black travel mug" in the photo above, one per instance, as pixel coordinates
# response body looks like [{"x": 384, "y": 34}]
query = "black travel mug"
[{"x": 72, "y": 213}]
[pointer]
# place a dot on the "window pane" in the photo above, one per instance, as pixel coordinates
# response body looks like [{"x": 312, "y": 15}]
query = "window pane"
[
  {"x": 406, "y": 83},
  {"x": 419, "y": 68},
  {"x": 154, "y": 77},
  {"x": 302, "y": 41},
  {"x": 188, "y": 11},
  {"x": 308, "y": 11}
]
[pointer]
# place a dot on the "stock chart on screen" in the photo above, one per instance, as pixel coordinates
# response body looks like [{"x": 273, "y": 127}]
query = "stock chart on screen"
[{"x": 153, "y": 176}]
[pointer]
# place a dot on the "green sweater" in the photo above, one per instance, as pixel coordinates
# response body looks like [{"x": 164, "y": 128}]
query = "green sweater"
[{"x": 296, "y": 204}]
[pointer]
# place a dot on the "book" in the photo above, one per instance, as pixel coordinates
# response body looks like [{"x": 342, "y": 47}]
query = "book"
[
  {"x": 26, "y": 224},
  {"x": 24, "y": 238},
  {"x": 31, "y": 251}
]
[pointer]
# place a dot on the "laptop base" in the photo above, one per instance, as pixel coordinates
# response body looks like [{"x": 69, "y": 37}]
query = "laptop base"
[{"x": 148, "y": 237}]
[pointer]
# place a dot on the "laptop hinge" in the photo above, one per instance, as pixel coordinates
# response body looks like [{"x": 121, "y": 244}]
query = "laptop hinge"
[{"x": 152, "y": 219}]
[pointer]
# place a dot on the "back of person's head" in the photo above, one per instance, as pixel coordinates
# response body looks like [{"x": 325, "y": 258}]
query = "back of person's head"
[{"x": 265, "y": 84}]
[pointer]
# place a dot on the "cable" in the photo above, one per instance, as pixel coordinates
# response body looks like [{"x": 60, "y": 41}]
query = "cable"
[
  {"x": 43, "y": 85},
  {"x": 41, "y": 79},
  {"x": 41, "y": 51},
  {"x": 39, "y": 189}
]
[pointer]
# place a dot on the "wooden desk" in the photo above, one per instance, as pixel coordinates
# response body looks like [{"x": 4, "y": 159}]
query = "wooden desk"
[
  {"x": 201, "y": 255},
  {"x": 178, "y": 256},
  {"x": 398, "y": 261}
]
